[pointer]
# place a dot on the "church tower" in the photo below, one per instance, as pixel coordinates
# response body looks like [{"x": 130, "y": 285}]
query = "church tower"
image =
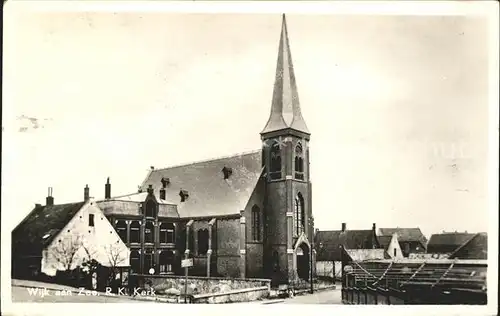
[{"x": 285, "y": 148}]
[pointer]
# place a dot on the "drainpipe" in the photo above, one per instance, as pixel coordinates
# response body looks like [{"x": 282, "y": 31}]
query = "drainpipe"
[{"x": 209, "y": 252}]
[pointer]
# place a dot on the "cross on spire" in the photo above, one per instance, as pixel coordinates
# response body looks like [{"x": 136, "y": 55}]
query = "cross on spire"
[{"x": 285, "y": 107}]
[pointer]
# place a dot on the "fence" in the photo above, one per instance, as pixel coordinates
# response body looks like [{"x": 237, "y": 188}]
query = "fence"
[{"x": 445, "y": 282}]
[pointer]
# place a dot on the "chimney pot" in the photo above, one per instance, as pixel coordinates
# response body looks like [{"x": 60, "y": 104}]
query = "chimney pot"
[
  {"x": 374, "y": 226},
  {"x": 150, "y": 189},
  {"x": 86, "y": 193},
  {"x": 344, "y": 227},
  {"x": 50, "y": 199},
  {"x": 107, "y": 189}
]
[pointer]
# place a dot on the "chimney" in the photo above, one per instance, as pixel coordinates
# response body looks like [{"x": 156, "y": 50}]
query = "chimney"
[
  {"x": 50, "y": 199},
  {"x": 37, "y": 205},
  {"x": 374, "y": 227},
  {"x": 184, "y": 194},
  {"x": 150, "y": 189},
  {"x": 86, "y": 193},
  {"x": 107, "y": 190},
  {"x": 344, "y": 227}
]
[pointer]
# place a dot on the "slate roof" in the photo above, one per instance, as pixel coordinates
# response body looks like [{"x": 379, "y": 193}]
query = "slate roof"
[
  {"x": 405, "y": 234},
  {"x": 328, "y": 242},
  {"x": 42, "y": 225},
  {"x": 384, "y": 241},
  {"x": 130, "y": 205},
  {"x": 474, "y": 248},
  {"x": 209, "y": 193},
  {"x": 447, "y": 242}
]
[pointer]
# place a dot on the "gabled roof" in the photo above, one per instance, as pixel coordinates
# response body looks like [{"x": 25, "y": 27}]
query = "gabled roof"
[
  {"x": 42, "y": 225},
  {"x": 384, "y": 241},
  {"x": 474, "y": 248},
  {"x": 209, "y": 193},
  {"x": 328, "y": 242},
  {"x": 447, "y": 242},
  {"x": 405, "y": 234}
]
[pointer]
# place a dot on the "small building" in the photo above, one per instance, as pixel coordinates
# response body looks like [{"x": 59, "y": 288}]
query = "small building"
[
  {"x": 391, "y": 246},
  {"x": 62, "y": 237},
  {"x": 329, "y": 246},
  {"x": 447, "y": 242},
  {"x": 411, "y": 240}
]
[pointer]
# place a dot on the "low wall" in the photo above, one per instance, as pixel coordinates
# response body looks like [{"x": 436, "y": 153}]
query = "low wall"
[
  {"x": 244, "y": 295},
  {"x": 175, "y": 285}
]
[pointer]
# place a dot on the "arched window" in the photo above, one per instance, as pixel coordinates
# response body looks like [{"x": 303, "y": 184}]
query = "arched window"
[
  {"x": 299, "y": 215},
  {"x": 202, "y": 241},
  {"x": 135, "y": 262},
  {"x": 121, "y": 229},
  {"x": 299, "y": 162},
  {"x": 166, "y": 259},
  {"x": 167, "y": 232},
  {"x": 275, "y": 168},
  {"x": 255, "y": 223},
  {"x": 151, "y": 209},
  {"x": 149, "y": 232},
  {"x": 135, "y": 232}
]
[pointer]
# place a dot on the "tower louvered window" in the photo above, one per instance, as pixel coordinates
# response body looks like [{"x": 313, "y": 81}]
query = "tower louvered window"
[
  {"x": 275, "y": 168},
  {"x": 299, "y": 162}
]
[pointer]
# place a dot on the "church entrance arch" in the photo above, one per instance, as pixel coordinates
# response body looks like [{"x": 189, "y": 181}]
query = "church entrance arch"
[{"x": 303, "y": 258}]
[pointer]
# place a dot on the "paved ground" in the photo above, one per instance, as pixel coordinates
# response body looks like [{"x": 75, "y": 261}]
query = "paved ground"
[{"x": 321, "y": 297}]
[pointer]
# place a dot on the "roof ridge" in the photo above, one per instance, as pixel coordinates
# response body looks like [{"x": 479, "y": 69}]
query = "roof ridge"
[{"x": 210, "y": 159}]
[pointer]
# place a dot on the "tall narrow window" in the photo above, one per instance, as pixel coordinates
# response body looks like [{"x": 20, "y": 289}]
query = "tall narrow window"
[
  {"x": 91, "y": 220},
  {"x": 135, "y": 232},
  {"x": 121, "y": 229},
  {"x": 149, "y": 232},
  {"x": 299, "y": 215},
  {"x": 166, "y": 261},
  {"x": 148, "y": 260},
  {"x": 299, "y": 162},
  {"x": 275, "y": 168},
  {"x": 202, "y": 241},
  {"x": 135, "y": 261},
  {"x": 167, "y": 232},
  {"x": 151, "y": 209},
  {"x": 255, "y": 223}
]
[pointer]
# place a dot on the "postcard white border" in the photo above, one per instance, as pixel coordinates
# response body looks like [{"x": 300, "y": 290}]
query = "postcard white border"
[{"x": 487, "y": 9}]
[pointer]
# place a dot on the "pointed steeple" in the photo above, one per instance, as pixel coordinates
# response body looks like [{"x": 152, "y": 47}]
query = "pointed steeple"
[{"x": 285, "y": 107}]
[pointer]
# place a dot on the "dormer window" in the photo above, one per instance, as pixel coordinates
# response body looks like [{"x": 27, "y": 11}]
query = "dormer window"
[
  {"x": 165, "y": 182},
  {"x": 151, "y": 209},
  {"x": 184, "y": 194},
  {"x": 227, "y": 172}
]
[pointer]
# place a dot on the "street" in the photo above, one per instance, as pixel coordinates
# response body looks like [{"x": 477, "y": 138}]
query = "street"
[{"x": 321, "y": 297}]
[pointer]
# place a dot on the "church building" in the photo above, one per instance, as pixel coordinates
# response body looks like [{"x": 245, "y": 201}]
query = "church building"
[{"x": 248, "y": 215}]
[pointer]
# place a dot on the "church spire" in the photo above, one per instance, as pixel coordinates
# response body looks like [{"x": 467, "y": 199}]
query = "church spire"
[{"x": 285, "y": 107}]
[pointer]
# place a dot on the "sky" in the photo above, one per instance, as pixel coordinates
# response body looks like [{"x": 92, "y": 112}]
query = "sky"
[{"x": 397, "y": 107}]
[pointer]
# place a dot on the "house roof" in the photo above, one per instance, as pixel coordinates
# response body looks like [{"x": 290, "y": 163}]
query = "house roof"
[
  {"x": 42, "y": 225},
  {"x": 405, "y": 234},
  {"x": 447, "y": 242},
  {"x": 474, "y": 248},
  {"x": 384, "y": 241},
  {"x": 209, "y": 193},
  {"x": 328, "y": 242}
]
